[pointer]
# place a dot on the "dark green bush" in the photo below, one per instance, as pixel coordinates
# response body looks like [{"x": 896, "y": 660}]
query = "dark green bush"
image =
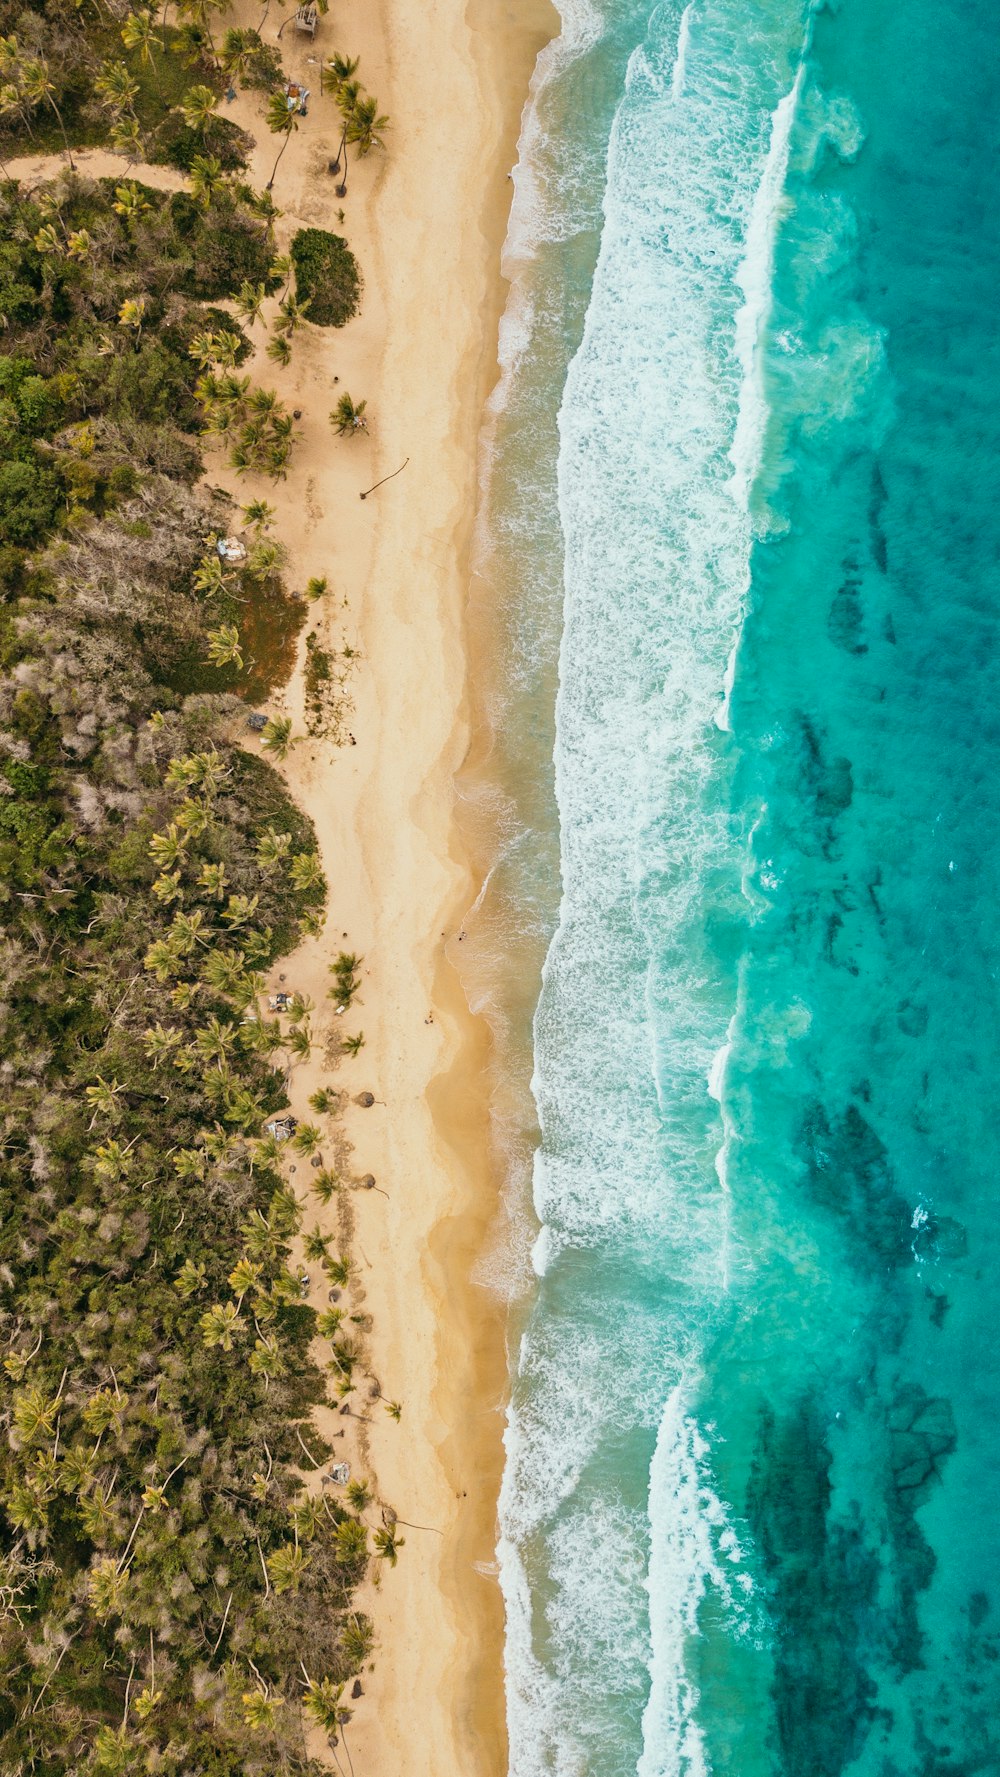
[
  {"x": 326, "y": 273},
  {"x": 176, "y": 145},
  {"x": 29, "y": 497}
]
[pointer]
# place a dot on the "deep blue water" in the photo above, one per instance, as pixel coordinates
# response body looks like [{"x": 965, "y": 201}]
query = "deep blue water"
[{"x": 751, "y": 1514}]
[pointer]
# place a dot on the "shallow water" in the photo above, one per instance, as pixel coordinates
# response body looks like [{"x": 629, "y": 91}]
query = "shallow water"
[{"x": 749, "y": 1517}]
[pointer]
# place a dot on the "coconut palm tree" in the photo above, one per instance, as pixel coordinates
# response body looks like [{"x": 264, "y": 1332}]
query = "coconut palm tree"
[
  {"x": 131, "y": 315},
  {"x": 198, "y": 13},
  {"x": 350, "y": 1541},
  {"x": 353, "y": 1045},
  {"x": 260, "y": 1709},
  {"x": 259, "y": 514},
  {"x": 306, "y": 872},
  {"x": 207, "y": 178},
  {"x": 38, "y": 89},
  {"x": 321, "y": 1703},
  {"x": 348, "y": 416},
  {"x": 250, "y": 302},
  {"x": 334, "y": 72},
  {"x": 364, "y": 123},
  {"x": 325, "y": 1101},
  {"x": 219, "y": 1324},
  {"x": 280, "y": 122},
  {"x": 348, "y": 93},
  {"x": 125, "y": 137},
  {"x": 170, "y": 848},
  {"x": 197, "y": 108},
  {"x": 272, "y": 849},
  {"x": 326, "y": 1184},
  {"x": 276, "y": 736},
  {"x": 213, "y": 877},
  {"x": 291, "y": 314},
  {"x": 129, "y": 203},
  {"x": 240, "y": 49},
  {"x": 388, "y": 1544},
  {"x": 116, "y": 88},
  {"x": 104, "y": 1097},
  {"x": 139, "y": 33},
  {"x": 279, "y": 350}
]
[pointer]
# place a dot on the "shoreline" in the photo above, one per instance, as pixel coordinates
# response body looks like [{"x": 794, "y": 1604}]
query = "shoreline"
[
  {"x": 439, "y": 1621},
  {"x": 428, "y": 222}
]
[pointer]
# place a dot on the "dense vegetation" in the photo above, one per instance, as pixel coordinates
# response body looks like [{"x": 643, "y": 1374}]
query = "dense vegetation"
[
  {"x": 171, "y": 1599},
  {"x": 326, "y": 276}
]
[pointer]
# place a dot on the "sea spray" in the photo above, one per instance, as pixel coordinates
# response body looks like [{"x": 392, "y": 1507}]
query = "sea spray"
[{"x": 634, "y": 1240}]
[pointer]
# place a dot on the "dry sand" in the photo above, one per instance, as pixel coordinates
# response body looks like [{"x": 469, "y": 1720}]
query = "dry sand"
[{"x": 426, "y": 221}]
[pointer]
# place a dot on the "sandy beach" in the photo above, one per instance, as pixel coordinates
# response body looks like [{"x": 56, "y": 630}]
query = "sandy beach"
[{"x": 427, "y": 221}]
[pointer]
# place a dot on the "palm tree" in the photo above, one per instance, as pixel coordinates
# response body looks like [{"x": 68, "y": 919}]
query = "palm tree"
[
  {"x": 314, "y": 1246},
  {"x": 280, "y": 122},
  {"x": 207, "y": 176},
  {"x": 260, "y": 1709},
  {"x": 348, "y": 417},
  {"x": 131, "y": 315},
  {"x": 272, "y": 848},
  {"x": 219, "y": 1324},
  {"x": 139, "y": 33},
  {"x": 198, "y": 13},
  {"x": 125, "y": 137},
  {"x": 159, "y": 1043},
  {"x": 333, "y": 73},
  {"x": 350, "y": 1541},
  {"x": 276, "y": 736},
  {"x": 170, "y": 848},
  {"x": 325, "y": 1101},
  {"x": 104, "y": 1097},
  {"x": 197, "y": 108},
  {"x": 321, "y": 1703},
  {"x": 250, "y": 302},
  {"x": 116, "y": 88},
  {"x": 306, "y": 872},
  {"x": 279, "y": 350},
  {"x": 326, "y": 1184},
  {"x": 39, "y": 90},
  {"x": 348, "y": 93},
  {"x": 240, "y": 50},
  {"x": 129, "y": 203},
  {"x": 259, "y": 514},
  {"x": 388, "y": 1544},
  {"x": 363, "y": 124},
  {"x": 213, "y": 878},
  {"x": 292, "y": 313},
  {"x": 394, "y": 1410},
  {"x": 353, "y": 1045}
]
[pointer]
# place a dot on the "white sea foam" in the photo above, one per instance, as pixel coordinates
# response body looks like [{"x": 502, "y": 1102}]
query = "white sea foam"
[
  {"x": 632, "y": 1027},
  {"x": 755, "y": 278},
  {"x": 693, "y": 1549},
  {"x": 680, "y": 60}
]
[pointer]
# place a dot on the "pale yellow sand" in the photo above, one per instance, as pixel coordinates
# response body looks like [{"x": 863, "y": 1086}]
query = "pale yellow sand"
[{"x": 427, "y": 222}]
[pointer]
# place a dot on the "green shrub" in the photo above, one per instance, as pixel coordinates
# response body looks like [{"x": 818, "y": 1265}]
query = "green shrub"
[
  {"x": 28, "y": 500},
  {"x": 176, "y": 145},
  {"x": 327, "y": 275}
]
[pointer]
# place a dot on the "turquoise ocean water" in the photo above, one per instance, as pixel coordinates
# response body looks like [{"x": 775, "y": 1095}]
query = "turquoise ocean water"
[{"x": 741, "y": 558}]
